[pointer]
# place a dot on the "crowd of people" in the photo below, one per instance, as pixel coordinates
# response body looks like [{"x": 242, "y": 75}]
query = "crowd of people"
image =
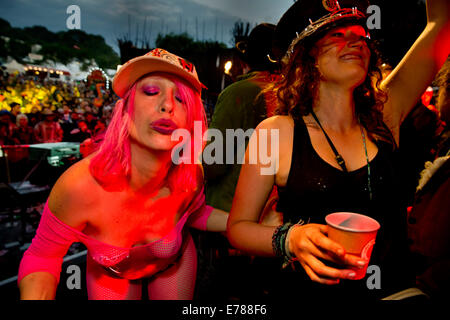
[
  {"x": 339, "y": 123},
  {"x": 35, "y": 110}
]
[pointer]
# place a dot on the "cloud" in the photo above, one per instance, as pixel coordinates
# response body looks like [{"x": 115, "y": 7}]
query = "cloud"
[
  {"x": 201, "y": 19},
  {"x": 251, "y": 10}
]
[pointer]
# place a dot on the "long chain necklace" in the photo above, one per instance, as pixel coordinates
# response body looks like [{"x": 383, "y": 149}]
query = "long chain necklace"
[
  {"x": 369, "y": 183},
  {"x": 341, "y": 160}
]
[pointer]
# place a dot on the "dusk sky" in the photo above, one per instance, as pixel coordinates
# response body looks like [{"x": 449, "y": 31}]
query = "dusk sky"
[{"x": 201, "y": 19}]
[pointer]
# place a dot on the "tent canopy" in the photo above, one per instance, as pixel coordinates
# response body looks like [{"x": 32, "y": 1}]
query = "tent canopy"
[{"x": 13, "y": 66}]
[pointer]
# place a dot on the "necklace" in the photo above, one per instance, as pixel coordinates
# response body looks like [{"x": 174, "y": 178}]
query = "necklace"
[
  {"x": 369, "y": 184},
  {"x": 341, "y": 160}
]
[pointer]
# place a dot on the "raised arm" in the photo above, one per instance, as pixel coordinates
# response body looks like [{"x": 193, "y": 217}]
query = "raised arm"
[{"x": 418, "y": 67}]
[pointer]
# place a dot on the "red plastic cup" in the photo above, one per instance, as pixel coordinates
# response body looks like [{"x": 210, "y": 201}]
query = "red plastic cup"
[{"x": 356, "y": 233}]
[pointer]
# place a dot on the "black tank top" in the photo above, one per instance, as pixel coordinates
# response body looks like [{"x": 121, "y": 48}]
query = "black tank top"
[{"x": 315, "y": 188}]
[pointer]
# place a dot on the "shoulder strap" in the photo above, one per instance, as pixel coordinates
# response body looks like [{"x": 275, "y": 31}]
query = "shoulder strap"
[{"x": 339, "y": 158}]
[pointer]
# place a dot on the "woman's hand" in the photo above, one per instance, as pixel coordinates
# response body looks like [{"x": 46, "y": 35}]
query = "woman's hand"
[{"x": 311, "y": 246}]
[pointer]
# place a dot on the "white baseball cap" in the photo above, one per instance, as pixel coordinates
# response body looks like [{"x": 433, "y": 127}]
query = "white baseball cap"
[{"x": 157, "y": 60}]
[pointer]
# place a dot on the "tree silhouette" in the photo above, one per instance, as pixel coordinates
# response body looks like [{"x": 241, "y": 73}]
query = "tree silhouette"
[
  {"x": 240, "y": 31},
  {"x": 62, "y": 46}
]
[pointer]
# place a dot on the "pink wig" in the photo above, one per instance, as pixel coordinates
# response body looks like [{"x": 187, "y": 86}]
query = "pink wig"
[{"x": 111, "y": 166}]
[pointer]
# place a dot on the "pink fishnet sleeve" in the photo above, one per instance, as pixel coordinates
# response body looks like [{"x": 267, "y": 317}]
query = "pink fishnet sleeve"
[
  {"x": 48, "y": 248},
  {"x": 200, "y": 212}
]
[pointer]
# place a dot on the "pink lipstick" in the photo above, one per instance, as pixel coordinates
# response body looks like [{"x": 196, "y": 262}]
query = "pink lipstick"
[{"x": 164, "y": 126}]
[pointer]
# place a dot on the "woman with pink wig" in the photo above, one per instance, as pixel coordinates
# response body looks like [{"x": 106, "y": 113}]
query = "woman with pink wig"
[{"x": 131, "y": 201}]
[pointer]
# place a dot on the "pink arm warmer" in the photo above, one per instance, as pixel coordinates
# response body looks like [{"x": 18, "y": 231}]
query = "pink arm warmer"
[
  {"x": 200, "y": 212},
  {"x": 48, "y": 248}
]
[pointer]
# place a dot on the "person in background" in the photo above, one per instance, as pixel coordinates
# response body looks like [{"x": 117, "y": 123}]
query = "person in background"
[
  {"x": 15, "y": 110},
  {"x": 7, "y": 129},
  {"x": 420, "y": 135},
  {"x": 429, "y": 219},
  {"x": 80, "y": 133},
  {"x": 91, "y": 120},
  {"x": 241, "y": 106},
  {"x": 24, "y": 132},
  {"x": 100, "y": 128},
  {"x": 443, "y": 104},
  {"x": 34, "y": 117},
  {"x": 48, "y": 130},
  {"x": 67, "y": 123}
]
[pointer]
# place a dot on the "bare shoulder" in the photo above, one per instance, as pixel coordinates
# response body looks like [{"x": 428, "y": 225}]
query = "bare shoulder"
[
  {"x": 276, "y": 122},
  {"x": 74, "y": 191},
  {"x": 284, "y": 125}
]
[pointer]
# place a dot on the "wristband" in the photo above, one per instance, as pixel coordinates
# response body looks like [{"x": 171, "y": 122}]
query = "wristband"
[{"x": 288, "y": 258}]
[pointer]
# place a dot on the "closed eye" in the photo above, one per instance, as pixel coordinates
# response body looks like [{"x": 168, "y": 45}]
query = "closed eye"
[
  {"x": 178, "y": 98},
  {"x": 151, "y": 91}
]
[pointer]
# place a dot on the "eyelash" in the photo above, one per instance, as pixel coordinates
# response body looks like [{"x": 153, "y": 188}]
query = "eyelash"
[
  {"x": 155, "y": 92},
  {"x": 151, "y": 92}
]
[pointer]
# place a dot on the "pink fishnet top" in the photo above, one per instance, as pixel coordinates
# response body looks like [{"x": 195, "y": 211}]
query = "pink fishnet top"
[{"x": 53, "y": 238}]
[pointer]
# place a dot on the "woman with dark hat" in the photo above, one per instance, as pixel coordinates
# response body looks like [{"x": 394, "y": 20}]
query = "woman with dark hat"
[
  {"x": 130, "y": 202},
  {"x": 338, "y": 132}
]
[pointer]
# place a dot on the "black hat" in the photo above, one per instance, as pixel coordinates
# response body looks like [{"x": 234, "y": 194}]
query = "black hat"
[
  {"x": 306, "y": 17},
  {"x": 257, "y": 48}
]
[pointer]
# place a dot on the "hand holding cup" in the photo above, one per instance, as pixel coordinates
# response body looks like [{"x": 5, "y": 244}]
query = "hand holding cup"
[
  {"x": 312, "y": 248},
  {"x": 356, "y": 233}
]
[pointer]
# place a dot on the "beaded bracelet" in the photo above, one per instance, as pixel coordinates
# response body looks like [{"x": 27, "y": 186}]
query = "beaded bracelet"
[
  {"x": 275, "y": 237},
  {"x": 280, "y": 242},
  {"x": 279, "y": 239},
  {"x": 288, "y": 258}
]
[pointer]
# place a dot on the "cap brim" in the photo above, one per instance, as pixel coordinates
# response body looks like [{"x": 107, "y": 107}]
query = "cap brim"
[{"x": 129, "y": 73}]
